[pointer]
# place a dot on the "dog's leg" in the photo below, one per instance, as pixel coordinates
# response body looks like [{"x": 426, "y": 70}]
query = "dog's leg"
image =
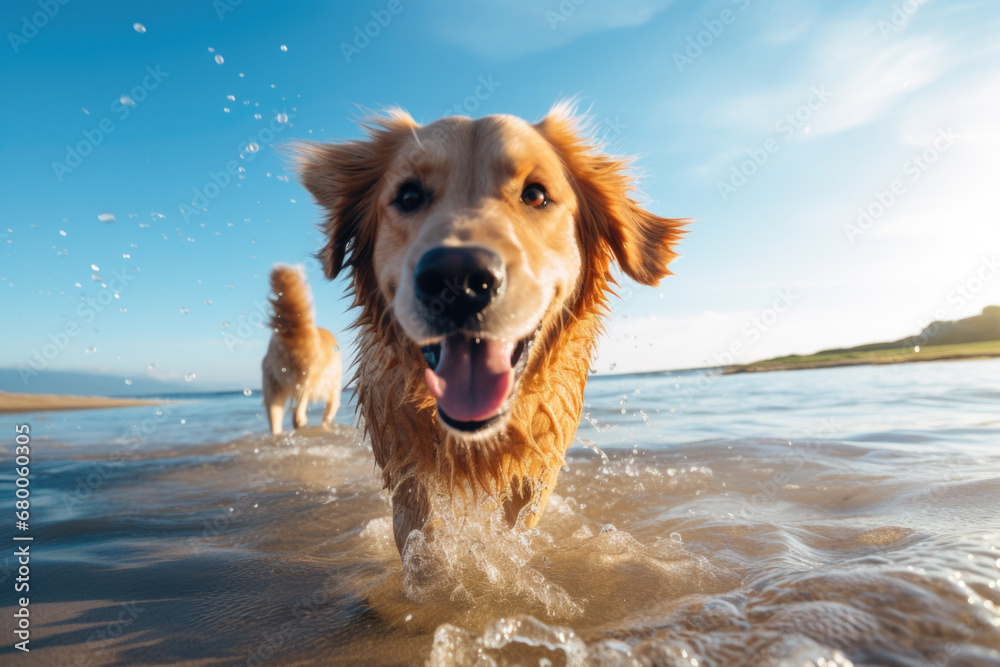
[
  {"x": 410, "y": 509},
  {"x": 532, "y": 497},
  {"x": 274, "y": 403},
  {"x": 276, "y": 415},
  {"x": 299, "y": 418},
  {"x": 332, "y": 405}
]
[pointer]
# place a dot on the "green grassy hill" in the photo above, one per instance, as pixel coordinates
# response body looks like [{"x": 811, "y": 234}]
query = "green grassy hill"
[{"x": 975, "y": 337}]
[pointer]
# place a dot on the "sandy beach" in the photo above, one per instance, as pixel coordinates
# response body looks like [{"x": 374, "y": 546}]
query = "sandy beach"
[{"x": 15, "y": 403}]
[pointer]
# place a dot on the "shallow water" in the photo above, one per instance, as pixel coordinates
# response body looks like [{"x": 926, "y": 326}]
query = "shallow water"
[{"x": 822, "y": 517}]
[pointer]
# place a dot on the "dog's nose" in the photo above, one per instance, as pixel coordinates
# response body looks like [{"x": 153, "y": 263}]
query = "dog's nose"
[{"x": 458, "y": 282}]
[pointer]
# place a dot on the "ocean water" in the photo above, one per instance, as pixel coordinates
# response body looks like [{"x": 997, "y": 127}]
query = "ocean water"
[{"x": 823, "y": 517}]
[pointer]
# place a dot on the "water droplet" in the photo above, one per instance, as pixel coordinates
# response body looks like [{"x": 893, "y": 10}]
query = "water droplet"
[
  {"x": 95, "y": 267},
  {"x": 184, "y": 311},
  {"x": 253, "y": 147},
  {"x": 285, "y": 48},
  {"x": 225, "y": 109},
  {"x": 219, "y": 59},
  {"x": 257, "y": 116},
  {"x": 247, "y": 392},
  {"x": 189, "y": 377},
  {"x": 675, "y": 537},
  {"x": 139, "y": 28},
  {"x": 231, "y": 98},
  {"x": 62, "y": 233},
  {"x": 106, "y": 217},
  {"x": 128, "y": 382},
  {"x": 208, "y": 302},
  {"x": 127, "y": 101},
  {"x": 281, "y": 118},
  {"x": 151, "y": 366},
  {"x": 91, "y": 350}
]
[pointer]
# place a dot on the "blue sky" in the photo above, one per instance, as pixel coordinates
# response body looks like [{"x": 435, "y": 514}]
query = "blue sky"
[{"x": 774, "y": 125}]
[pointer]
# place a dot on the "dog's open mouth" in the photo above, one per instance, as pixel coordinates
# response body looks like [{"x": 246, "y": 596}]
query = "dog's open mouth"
[{"x": 471, "y": 378}]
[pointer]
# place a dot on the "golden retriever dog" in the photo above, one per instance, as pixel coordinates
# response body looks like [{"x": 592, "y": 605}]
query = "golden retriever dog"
[
  {"x": 480, "y": 254},
  {"x": 302, "y": 361}
]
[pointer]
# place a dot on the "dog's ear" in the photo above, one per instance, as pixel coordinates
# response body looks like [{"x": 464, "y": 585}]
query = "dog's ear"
[
  {"x": 344, "y": 179},
  {"x": 643, "y": 243}
]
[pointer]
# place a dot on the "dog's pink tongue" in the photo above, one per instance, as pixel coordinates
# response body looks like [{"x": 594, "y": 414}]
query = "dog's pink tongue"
[{"x": 472, "y": 379}]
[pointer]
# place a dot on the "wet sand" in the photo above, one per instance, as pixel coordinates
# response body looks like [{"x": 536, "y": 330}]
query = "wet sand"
[{"x": 19, "y": 403}]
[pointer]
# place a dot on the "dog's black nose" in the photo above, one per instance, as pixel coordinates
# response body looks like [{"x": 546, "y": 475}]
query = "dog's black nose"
[{"x": 455, "y": 283}]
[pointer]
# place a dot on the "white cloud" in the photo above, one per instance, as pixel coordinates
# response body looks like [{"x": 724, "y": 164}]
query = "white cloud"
[
  {"x": 519, "y": 27},
  {"x": 869, "y": 81}
]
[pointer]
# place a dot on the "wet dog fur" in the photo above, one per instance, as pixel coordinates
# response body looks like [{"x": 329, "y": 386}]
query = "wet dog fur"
[{"x": 476, "y": 188}]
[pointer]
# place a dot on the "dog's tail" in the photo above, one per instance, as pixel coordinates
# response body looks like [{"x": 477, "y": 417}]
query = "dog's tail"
[{"x": 292, "y": 302}]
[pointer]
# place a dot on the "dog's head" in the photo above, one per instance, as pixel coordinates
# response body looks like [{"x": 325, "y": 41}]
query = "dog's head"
[{"x": 475, "y": 235}]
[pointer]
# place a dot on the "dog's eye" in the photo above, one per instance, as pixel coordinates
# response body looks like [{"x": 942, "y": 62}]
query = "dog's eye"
[
  {"x": 535, "y": 196},
  {"x": 410, "y": 197}
]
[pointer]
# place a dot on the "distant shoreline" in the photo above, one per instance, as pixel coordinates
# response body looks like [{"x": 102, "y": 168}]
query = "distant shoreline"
[
  {"x": 21, "y": 403},
  {"x": 959, "y": 352}
]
